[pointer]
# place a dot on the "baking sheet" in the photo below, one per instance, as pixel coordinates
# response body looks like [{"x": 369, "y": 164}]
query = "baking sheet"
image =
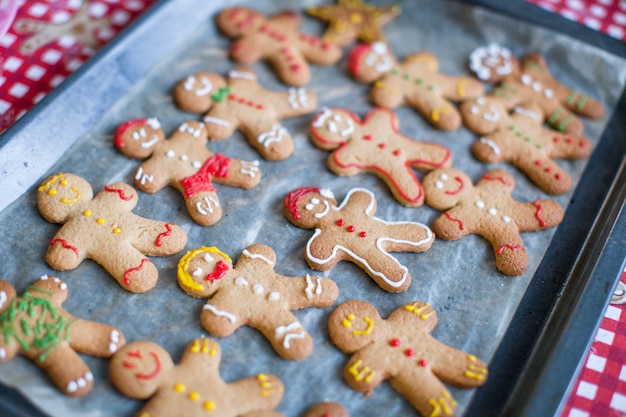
[{"x": 475, "y": 303}]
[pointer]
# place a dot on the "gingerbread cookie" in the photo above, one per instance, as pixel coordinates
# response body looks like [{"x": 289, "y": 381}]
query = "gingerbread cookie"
[
  {"x": 239, "y": 102},
  {"x": 416, "y": 82},
  {"x": 275, "y": 39},
  {"x": 400, "y": 349},
  {"x": 350, "y": 231},
  {"x": 184, "y": 163},
  {"x": 103, "y": 228},
  {"x": 529, "y": 84},
  {"x": 375, "y": 145},
  {"x": 349, "y": 20},
  {"x": 252, "y": 293},
  {"x": 37, "y": 327},
  {"x": 326, "y": 409},
  {"x": 144, "y": 370},
  {"x": 488, "y": 210},
  {"x": 521, "y": 140}
]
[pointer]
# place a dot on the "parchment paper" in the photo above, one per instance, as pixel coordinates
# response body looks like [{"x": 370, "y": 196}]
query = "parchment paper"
[{"x": 474, "y": 301}]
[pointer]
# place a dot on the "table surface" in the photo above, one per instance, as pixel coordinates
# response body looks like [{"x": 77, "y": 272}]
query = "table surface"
[{"x": 25, "y": 78}]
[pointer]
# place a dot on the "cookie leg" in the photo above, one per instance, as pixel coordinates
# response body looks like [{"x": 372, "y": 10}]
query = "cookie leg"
[
  {"x": 270, "y": 139},
  {"x": 426, "y": 394},
  {"x": 67, "y": 370},
  {"x": 287, "y": 336},
  {"x": 264, "y": 393},
  {"x": 204, "y": 208},
  {"x": 133, "y": 271},
  {"x": 384, "y": 269},
  {"x": 437, "y": 111},
  {"x": 511, "y": 256},
  {"x": 95, "y": 339}
]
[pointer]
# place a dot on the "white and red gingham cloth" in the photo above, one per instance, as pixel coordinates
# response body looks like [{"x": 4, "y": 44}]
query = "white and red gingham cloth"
[{"x": 600, "y": 389}]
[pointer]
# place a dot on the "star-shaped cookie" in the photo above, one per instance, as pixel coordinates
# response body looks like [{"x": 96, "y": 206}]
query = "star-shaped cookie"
[{"x": 350, "y": 20}]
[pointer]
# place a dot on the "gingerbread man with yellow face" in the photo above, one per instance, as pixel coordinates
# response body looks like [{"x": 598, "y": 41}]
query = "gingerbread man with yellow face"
[
  {"x": 103, "y": 228},
  {"x": 144, "y": 370},
  {"x": 252, "y": 293},
  {"x": 401, "y": 350}
]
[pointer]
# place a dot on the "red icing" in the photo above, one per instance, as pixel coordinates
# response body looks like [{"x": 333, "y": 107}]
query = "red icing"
[
  {"x": 131, "y": 270},
  {"x": 129, "y": 365},
  {"x": 367, "y": 137},
  {"x": 217, "y": 166},
  {"x": 340, "y": 222},
  {"x": 409, "y": 352},
  {"x": 245, "y": 101},
  {"x": 124, "y": 127},
  {"x": 168, "y": 231},
  {"x": 221, "y": 268},
  {"x": 538, "y": 162},
  {"x": 382, "y": 145},
  {"x": 396, "y": 152},
  {"x": 119, "y": 192},
  {"x": 542, "y": 222},
  {"x": 556, "y": 139},
  {"x": 363, "y": 234},
  {"x": 157, "y": 368},
  {"x": 135, "y": 354},
  {"x": 548, "y": 169},
  {"x": 394, "y": 342},
  {"x": 65, "y": 245},
  {"x": 449, "y": 216},
  {"x": 461, "y": 187},
  {"x": 355, "y": 58},
  {"x": 293, "y": 198},
  {"x": 501, "y": 179},
  {"x": 422, "y": 363},
  {"x": 510, "y": 247},
  {"x": 351, "y": 228}
]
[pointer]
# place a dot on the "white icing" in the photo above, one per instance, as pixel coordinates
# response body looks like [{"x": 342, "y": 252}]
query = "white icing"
[
  {"x": 89, "y": 376},
  {"x": 274, "y": 135},
  {"x": 250, "y": 168},
  {"x": 170, "y": 153},
  {"x": 528, "y": 113},
  {"x": 208, "y": 258},
  {"x": 309, "y": 207},
  {"x": 207, "y": 208},
  {"x": 444, "y": 176},
  {"x": 321, "y": 118},
  {"x": 274, "y": 296},
  {"x": 349, "y": 129},
  {"x": 216, "y": 121},
  {"x": 184, "y": 157},
  {"x": 548, "y": 92},
  {"x": 506, "y": 219},
  {"x": 241, "y": 281},
  {"x": 526, "y": 79},
  {"x": 323, "y": 213},
  {"x": 3, "y": 353},
  {"x": 492, "y": 211},
  {"x": 480, "y": 204},
  {"x": 196, "y": 164},
  {"x": 154, "y": 123},
  {"x": 3, "y": 299},
  {"x": 44, "y": 277},
  {"x": 287, "y": 341},
  {"x": 197, "y": 272},
  {"x": 257, "y": 256},
  {"x": 493, "y": 115},
  {"x": 150, "y": 143},
  {"x": 297, "y": 98},
  {"x": 258, "y": 289},
  {"x": 495, "y": 148},
  {"x": 64, "y": 286},
  {"x": 205, "y": 87},
  {"x": 231, "y": 317},
  {"x": 439, "y": 185},
  {"x": 241, "y": 74},
  {"x": 315, "y": 200},
  {"x": 310, "y": 285},
  {"x": 143, "y": 178},
  {"x": 72, "y": 386},
  {"x": 325, "y": 192},
  {"x": 493, "y": 57}
]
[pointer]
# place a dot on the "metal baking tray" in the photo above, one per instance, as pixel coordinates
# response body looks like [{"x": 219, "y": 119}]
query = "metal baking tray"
[{"x": 553, "y": 313}]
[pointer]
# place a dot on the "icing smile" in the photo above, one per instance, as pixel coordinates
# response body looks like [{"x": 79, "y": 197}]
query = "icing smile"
[
  {"x": 140, "y": 375},
  {"x": 72, "y": 200}
]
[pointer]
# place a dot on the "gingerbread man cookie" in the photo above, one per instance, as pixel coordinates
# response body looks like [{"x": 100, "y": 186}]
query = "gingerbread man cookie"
[
  {"x": 239, "y": 102},
  {"x": 352, "y": 232},
  {"x": 252, "y": 293},
  {"x": 400, "y": 349},
  {"x": 416, "y": 82},
  {"x": 103, "y": 228},
  {"x": 529, "y": 84},
  {"x": 521, "y": 140},
  {"x": 184, "y": 163},
  {"x": 326, "y": 409},
  {"x": 144, "y": 370},
  {"x": 37, "y": 327},
  {"x": 487, "y": 209},
  {"x": 277, "y": 40},
  {"x": 375, "y": 145},
  {"x": 349, "y": 20}
]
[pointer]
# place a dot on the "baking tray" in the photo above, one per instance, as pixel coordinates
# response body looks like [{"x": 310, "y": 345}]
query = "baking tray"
[{"x": 556, "y": 309}]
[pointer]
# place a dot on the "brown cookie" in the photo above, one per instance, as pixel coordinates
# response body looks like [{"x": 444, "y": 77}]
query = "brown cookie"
[
  {"x": 488, "y": 210},
  {"x": 529, "y": 84},
  {"x": 103, "y": 228},
  {"x": 37, "y": 327},
  {"x": 326, "y": 409},
  {"x": 277, "y": 40},
  {"x": 144, "y": 370},
  {"x": 239, "y": 102},
  {"x": 351, "y": 232},
  {"x": 252, "y": 293},
  {"x": 375, "y": 145},
  {"x": 349, "y": 20},
  {"x": 184, "y": 163},
  {"x": 415, "y": 82},
  {"x": 521, "y": 140},
  {"x": 400, "y": 349}
]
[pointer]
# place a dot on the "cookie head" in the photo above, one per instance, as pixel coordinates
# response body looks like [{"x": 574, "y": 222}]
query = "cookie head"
[
  {"x": 333, "y": 127},
  {"x": 483, "y": 115},
  {"x": 201, "y": 270},
  {"x": 492, "y": 63},
  {"x": 138, "y": 369},
  {"x": 353, "y": 325},
  {"x": 444, "y": 187},
  {"x": 137, "y": 138},
  {"x": 198, "y": 92},
  {"x": 305, "y": 206},
  {"x": 238, "y": 21},
  {"x": 59, "y": 194},
  {"x": 368, "y": 61}
]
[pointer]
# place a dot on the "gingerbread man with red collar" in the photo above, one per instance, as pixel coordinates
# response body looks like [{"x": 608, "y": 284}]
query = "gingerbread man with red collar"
[
  {"x": 375, "y": 145},
  {"x": 351, "y": 232},
  {"x": 103, "y": 228},
  {"x": 184, "y": 163},
  {"x": 239, "y": 102},
  {"x": 144, "y": 370},
  {"x": 277, "y": 40},
  {"x": 252, "y": 293},
  {"x": 416, "y": 82},
  {"x": 487, "y": 209},
  {"x": 400, "y": 349}
]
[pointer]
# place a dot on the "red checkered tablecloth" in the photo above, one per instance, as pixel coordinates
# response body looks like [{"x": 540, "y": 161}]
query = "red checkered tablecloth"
[{"x": 25, "y": 78}]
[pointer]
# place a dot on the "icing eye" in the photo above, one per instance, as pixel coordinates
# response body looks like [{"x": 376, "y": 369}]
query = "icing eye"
[
  {"x": 480, "y": 100},
  {"x": 444, "y": 176},
  {"x": 64, "y": 183},
  {"x": 379, "y": 48},
  {"x": 309, "y": 207},
  {"x": 197, "y": 272},
  {"x": 337, "y": 118},
  {"x": 475, "y": 110},
  {"x": 208, "y": 258},
  {"x": 315, "y": 201},
  {"x": 332, "y": 126},
  {"x": 439, "y": 185},
  {"x": 52, "y": 192}
]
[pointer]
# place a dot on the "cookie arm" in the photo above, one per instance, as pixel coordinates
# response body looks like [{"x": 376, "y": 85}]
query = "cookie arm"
[
  {"x": 309, "y": 291},
  {"x": 155, "y": 238},
  {"x": 294, "y": 102},
  {"x": 568, "y": 146},
  {"x": 425, "y": 392},
  {"x": 538, "y": 215},
  {"x": 269, "y": 138},
  {"x": 93, "y": 338},
  {"x": 238, "y": 173}
]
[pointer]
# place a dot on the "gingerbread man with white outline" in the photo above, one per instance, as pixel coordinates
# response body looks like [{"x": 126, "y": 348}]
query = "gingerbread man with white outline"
[
  {"x": 350, "y": 231},
  {"x": 375, "y": 145},
  {"x": 183, "y": 162},
  {"x": 275, "y": 39},
  {"x": 37, "y": 327},
  {"x": 529, "y": 84},
  {"x": 521, "y": 140},
  {"x": 252, "y": 293},
  {"x": 239, "y": 102},
  {"x": 401, "y": 350},
  {"x": 144, "y": 370},
  {"x": 488, "y": 210},
  {"x": 416, "y": 82},
  {"x": 103, "y": 228}
]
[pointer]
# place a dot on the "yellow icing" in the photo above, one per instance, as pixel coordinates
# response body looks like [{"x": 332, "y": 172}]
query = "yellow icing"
[
  {"x": 100, "y": 221},
  {"x": 117, "y": 231},
  {"x": 180, "y": 388},
  {"x": 364, "y": 374},
  {"x": 51, "y": 181},
  {"x": 368, "y": 330},
  {"x": 194, "y": 396},
  {"x": 87, "y": 213},
  {"x": 209, "y": 405}
]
